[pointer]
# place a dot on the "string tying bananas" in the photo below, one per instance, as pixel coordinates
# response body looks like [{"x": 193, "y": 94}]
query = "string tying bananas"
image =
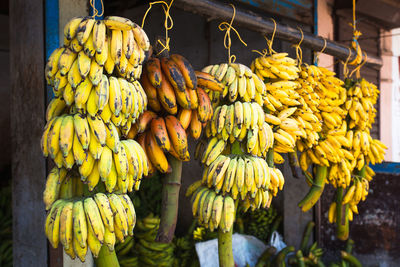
[
  {"x": 87, "y": 222},
  {"x": 177, "y": 107}
]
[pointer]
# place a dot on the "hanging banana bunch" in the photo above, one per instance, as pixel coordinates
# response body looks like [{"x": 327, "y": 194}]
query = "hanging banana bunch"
[
  {"x": 177, "y": 108},
  {"x": 361, "y": 98},
  {"x": 80, "y": 220},
  {"x": 238, "y": 139},
  {"x": 94, "y": 77},
  {"x": 284, "y": 103}
]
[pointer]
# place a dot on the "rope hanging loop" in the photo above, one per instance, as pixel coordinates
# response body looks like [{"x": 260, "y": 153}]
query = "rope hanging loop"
[{"x": 227, "y": 27}]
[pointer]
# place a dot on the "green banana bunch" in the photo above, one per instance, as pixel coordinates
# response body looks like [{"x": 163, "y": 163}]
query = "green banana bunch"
[
  {"x": 258, "y": 222},
  {"x": 147, "y": 252}
]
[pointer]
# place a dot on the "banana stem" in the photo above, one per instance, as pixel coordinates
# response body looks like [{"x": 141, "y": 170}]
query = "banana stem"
[
  {"x": 225, "y": 252},
  {"x": 294, "y": 164},
  {"x": 361, "y": 172},
  {"x": 351, "y": 259},
  {"x": 316, "y": 190},
  {"x": 169, "y": 203},
  {"x": 266, "y": 257},
  {"x": 342, "y": 221},
  {"x": 306, "y": 236},
  {"x": 106, "y": 258}
]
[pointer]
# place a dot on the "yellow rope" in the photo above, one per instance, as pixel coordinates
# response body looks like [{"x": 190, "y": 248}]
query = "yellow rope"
[
  {"x": 316, "y": 57},
  {"x": 95, "y": 10},
  {"x": 299, "y": 52},
  {"x": 270, "y": 42},
  {"x": 345, "y": 68},
  {"x": 358, "y": 68},
  {"x": 269, "y": 49},
  {"x": 168, "y": 23},
  {"x": 225, "y": 26}
]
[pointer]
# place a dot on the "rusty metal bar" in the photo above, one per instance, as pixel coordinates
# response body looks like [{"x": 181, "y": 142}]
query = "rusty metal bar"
[{"x": 215, "y": 10}]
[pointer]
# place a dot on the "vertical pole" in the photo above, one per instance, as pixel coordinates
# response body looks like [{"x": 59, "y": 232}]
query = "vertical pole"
[{"x": 27, "y": 121}]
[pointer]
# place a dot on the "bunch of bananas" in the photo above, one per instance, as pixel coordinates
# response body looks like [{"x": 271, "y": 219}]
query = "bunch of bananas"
[
  {"x": 286, "y": 102},
  {"x": 329, "y": 149},
  {"x": 151, "y": 253},
  {"x": 88, "y": 222},
  {"x": 96, "y": 150},
  {"x": 242, "y": 122},
  {"x": 212, "y": 210},
  {"x": 92, "y": 46},
  {"x": 238, "y": 83},
  {"x": 243, "y": 174},
  {"x": 235, "y": 167},
  {"x": 76, "y": 70},
  {"x": 310, "y": 110},
  {"x": 123, "y": 250},
  {"x": 259, "y": 222},
  {"x": 93, "y": 108},
  {"x": 177, "y": 107},
  {"x": 361, "y": 98}
]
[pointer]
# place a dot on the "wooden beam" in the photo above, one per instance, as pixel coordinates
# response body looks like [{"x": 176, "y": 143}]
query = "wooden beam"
[
  {"x": 27, "y": 121},
  {"x": 216, "y": 10}
]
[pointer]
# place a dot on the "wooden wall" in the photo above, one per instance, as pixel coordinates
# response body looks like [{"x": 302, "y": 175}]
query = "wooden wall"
[{"x": 27, "y": 121}]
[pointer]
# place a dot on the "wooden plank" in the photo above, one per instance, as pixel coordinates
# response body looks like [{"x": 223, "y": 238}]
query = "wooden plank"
[
  {"x": 27, "y": 121},
  {"x": 299, "y": 10},
  {"x": 261, "y": 24}
]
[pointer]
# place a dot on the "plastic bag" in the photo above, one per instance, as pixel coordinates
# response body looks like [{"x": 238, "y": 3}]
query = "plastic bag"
[
  {"x": 246, "y": 250},
  {"x": 277, "y": 241}
]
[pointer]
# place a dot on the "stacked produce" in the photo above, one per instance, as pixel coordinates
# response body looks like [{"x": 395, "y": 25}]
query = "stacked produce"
[
  {"x": 283, "y": 100},
  {"x": 97, "y": 99},
  {"x": 362, "y": 149},
  {"x": 152, "y": 253},
  {"x": 123, "y": 249},
  {"x": 86, "y": 222},
  {"x": 238, "y": 142},
  {"x": 325, "y": 119},
  {"x": 261, "y": 223},
  {"x": 176, "y": 107}
]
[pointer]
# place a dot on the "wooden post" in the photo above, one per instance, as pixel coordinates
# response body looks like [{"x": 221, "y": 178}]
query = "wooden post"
[{"x": 27, "y": 121}]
